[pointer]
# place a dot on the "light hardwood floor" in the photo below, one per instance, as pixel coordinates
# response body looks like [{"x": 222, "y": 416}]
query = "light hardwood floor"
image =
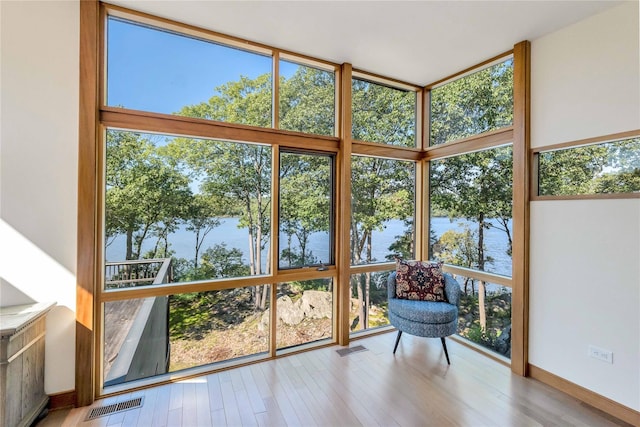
[{"x": 415, "y": 387}]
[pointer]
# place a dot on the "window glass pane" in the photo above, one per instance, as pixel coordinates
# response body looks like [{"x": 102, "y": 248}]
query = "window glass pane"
[
  {"x": 201, "y": 205},
  {"x": 163, "y": 72},
  {"x": 370, "y": 291},
  {"x": 152, "y": 336},
  {"x": 473, "y": 104},
  {"x": 305, "y": 312},
  {"x": 471, "y": 202},
  {"x": 305, "y": 210},
  {"x": 307, "y": 99},
  {"x": 484, "y": 315},
  {"x": 611, "y": 167},
  {"x": 382, "y": 209},
  {"x": 383, "y": 114}
]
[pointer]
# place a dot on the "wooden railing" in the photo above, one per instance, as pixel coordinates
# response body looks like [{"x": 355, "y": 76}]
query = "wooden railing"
[{"x": 142, "y": 272}]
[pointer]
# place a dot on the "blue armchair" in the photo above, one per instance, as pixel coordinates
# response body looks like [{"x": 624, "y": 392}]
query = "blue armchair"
[{"x": 425, "y": 318}]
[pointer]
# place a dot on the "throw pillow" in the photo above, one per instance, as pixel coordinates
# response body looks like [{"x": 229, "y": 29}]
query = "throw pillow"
[{"x": 417, "y": 280}]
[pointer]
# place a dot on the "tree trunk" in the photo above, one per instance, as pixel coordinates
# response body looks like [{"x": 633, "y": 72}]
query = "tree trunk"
[
  {"x": 367, "y": 285},
  {"x": 166, "y": 242},
  {"x": 367, "y": 301},
  {"x": 361, "y": 307},
  {"x": 258, "y": 251},
  {"x": 129, "y": 254},
  {"x": 264, "y": 297},
  {"x": 481, "y": 287},
  {"x": 139, "y": 241},
  {"x": 198, "y": 243},
  {"x": 252, "y": 269},
  {"x": 481, "y": 305}
]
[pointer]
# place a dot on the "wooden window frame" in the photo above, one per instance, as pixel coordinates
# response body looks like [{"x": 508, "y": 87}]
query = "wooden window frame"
[
  {"x": 95, "y": 117},
  {"x": 614, "y": 137},
  {"x": 518, "y": 136}
]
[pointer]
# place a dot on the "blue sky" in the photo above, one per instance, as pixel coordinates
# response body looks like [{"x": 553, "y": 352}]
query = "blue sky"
[{"x": 161, "y": 72}]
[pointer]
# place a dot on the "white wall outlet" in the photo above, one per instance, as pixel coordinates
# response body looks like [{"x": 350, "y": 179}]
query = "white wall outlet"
[{"x": 601, "y": 354}]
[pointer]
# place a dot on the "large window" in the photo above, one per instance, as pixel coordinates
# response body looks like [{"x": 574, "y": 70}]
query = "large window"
[
  {"x": 306, "y": 208},
  {"x": 382, "y": 228},
  {"x": 382, "y": 209},
  {"x": 145, "y": 337},
  {"x": 471, "y": 198},
  {"x": 206, "y": 249},
  {"x": 202, "y": 204},
  {"x": 156, "y": 70},
  {"x": 476, "y": 103},
  {"x": 257, "y": 230}
]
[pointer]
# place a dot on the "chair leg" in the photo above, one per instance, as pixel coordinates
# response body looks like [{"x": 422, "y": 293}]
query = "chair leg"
[
  {"x": 397, "y": 341},
  {"x": 446, "y": 353}
]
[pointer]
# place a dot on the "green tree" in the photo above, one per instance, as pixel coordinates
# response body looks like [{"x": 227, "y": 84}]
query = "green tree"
[
  {"x": 218, "y": 261},
  {"x": 611, "y": 167},
  {"x": 381, "y": 189},
  {"x": 571, "y": 171},
  {"x": 142, "y": 190},
  {"x": 473, "y": 104},
  {"x": 201, "y": 220},
  {"x": 458, "y": 248},
  {"x": 305, "y": 203},
  {"x": 475, "y": 186},
  {"x": 622, "y": 182},
  {"x": 236, "y": 172},
  {"x": 307, "y": 101},
  {"x": 383, "y": 114},
  {"x": 246, "y": 101}
]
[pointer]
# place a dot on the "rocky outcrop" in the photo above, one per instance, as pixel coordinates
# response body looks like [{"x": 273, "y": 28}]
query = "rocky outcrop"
[{"x": 311, "y": 305}]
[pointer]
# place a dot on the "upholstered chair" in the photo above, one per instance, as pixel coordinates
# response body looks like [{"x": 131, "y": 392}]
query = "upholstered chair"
[{"x": 425, "y": 318}]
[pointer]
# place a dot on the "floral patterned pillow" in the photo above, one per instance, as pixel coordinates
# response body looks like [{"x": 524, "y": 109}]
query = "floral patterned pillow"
[{"x": 417, "y": 280}]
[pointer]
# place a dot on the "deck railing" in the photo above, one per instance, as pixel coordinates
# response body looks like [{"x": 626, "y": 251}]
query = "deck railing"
[
  {"x": 142, "y": 347},
  {"x": 130, "y": 273}
]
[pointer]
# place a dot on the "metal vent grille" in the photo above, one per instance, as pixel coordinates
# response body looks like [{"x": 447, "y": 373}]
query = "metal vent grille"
[
  {"x": 346, "y": 351},
  {"x": 102, "y": 411}
]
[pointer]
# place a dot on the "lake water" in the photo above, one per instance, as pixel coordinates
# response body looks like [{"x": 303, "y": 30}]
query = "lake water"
[{"x": 183, "y": 242}]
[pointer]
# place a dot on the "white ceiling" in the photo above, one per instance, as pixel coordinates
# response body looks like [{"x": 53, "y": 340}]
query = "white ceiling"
[{"x": 418, "y": 42}]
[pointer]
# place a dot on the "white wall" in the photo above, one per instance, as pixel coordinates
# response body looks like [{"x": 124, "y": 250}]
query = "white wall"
[
  {"x": 38, "y": 170},
  {"x": 585, "y": 255}
]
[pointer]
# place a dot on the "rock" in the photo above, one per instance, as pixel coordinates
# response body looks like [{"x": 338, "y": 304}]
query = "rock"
[
  {"x": 503, "y": 342},
  {"x": 288, "y": 311},
  {"x": 316, "y": 304},
  {"x": 312, "y": 305}
]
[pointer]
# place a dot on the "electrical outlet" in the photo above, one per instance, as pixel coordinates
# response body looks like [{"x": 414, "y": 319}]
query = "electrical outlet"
[{"x": 601, "y": 354}]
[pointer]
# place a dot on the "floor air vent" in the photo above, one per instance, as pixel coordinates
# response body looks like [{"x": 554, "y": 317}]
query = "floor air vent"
[
  {"x": 103, "y": 411},
  {"x": 346, "y": 351}
]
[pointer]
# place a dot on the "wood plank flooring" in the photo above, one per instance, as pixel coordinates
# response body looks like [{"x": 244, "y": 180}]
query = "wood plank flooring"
[{"x": 415, "y": 387}]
